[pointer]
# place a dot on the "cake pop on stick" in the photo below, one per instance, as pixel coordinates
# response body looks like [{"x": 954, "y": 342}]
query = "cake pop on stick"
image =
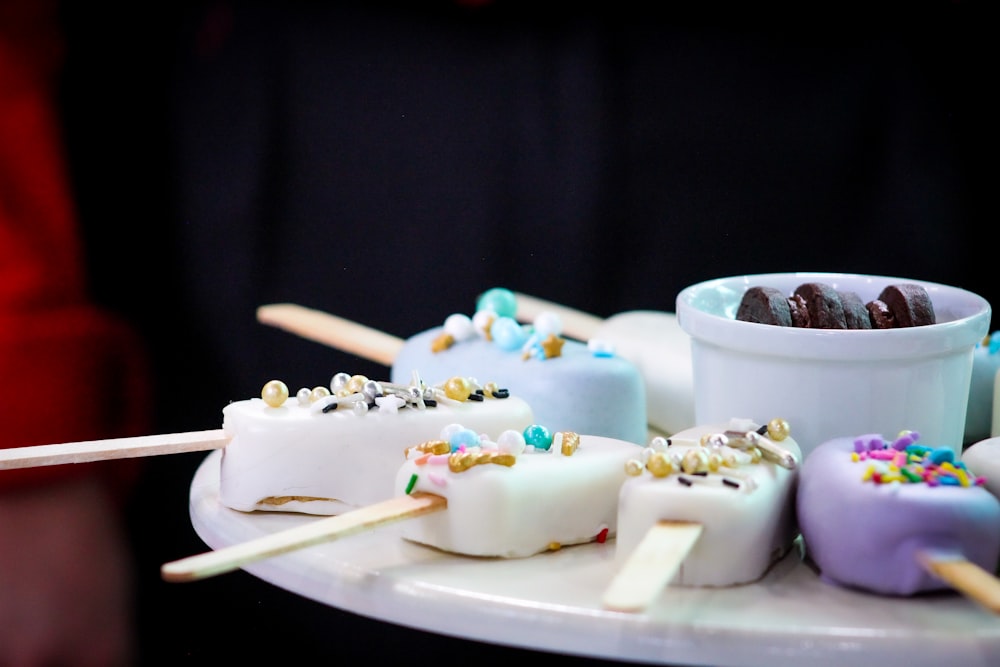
[
  {"x": 895, "y": 517},
  {"x": 325, "y": 450},
  {"x": 523, "y": 494},
  {"x": 693, "y": 502}
]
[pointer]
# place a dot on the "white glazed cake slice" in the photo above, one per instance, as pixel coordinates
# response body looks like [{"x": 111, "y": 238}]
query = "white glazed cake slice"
[
  {"x": 738, "y": 487},
  {"x": 507, "y": 502},
  {"x": 296, "y": 454}
]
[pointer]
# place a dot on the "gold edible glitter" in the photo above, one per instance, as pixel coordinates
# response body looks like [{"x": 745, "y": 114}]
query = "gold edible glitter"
[
  {"x": 570, "y": 442},
  {"x": 431, "y": 447},
  {"x": 442, "y": 342}
]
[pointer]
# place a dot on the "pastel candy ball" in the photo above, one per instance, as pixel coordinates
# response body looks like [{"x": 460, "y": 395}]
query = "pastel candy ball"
[
  {"x": 501, "y": 301},
  {"x": 465, "y": 437},
  {"x": 538, "y": 436},
  {"x": 511, "y": 442},
  {"x": 460, "y": 327},
  {"x": 548, "y": 323},
  {"x": 508, "y": 333}
]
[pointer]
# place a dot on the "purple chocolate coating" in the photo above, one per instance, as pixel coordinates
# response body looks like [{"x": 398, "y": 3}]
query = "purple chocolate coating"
[{"x": 867, "y": 536}]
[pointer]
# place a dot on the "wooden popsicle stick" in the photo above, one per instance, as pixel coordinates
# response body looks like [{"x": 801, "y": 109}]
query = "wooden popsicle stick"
[
  {"x": 337, "y": 332},
  {"x": 576, "y": 323},
  {"x": 964, "y": 576},
  {"x": 229, "y": 558},
  {"x": 651, "y": 566},
  {"x": 111, "y": 448}
]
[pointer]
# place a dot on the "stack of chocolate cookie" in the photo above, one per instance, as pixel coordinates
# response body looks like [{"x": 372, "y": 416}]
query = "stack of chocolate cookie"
[{"x": 819, "y": 306}]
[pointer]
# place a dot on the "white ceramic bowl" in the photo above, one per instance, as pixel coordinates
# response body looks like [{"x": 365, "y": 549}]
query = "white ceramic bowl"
[{"x": 833, "y": 383}]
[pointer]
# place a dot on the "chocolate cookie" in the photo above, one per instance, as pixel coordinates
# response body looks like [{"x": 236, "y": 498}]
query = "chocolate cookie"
[
  {"x": 909, "y": 304},
  {"x": 879, "y": 315},
  {"x": 823, "y": 305},
  {"x": 855, "y": 314},
  {"x": 764, "y": 305}
]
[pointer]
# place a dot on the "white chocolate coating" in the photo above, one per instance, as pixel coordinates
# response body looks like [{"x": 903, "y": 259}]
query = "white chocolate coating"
[
  {"x": 293, "y": 458},
  {"x": 983, "y": 459},
  {"x": 544, "y": 500},
  {"x": 746, "y": 529},
  {"x": 661, "y": 350},
  {"x": 577, "y": 391}
]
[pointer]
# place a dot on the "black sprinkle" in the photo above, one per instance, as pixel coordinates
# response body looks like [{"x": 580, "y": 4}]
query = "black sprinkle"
[
  {"x": 430, "y": 402},
  {"x": 476, "y": 397},
  {"x": 501, "y": 393},
  {"x": 730, "y": 482},
  {"x": 669, "y": 442},
  {"x": 329, "y": 407},
  {"x": 479, "y": 391},
  {"x": 685, "y": 481},
  {"x": 762, "y": 430},
  {"x": 701, "y": 473}
]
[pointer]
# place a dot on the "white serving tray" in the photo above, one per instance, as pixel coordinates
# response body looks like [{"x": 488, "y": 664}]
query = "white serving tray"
[{"x": 551, "y": 602}]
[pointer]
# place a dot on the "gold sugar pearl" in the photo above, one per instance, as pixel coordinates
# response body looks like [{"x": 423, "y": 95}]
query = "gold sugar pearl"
[
  {"x": 318, "y": 393},
  {"x": 659, "y": 464},
  {"x": 778, "y": 429},
  {"x": 695, "y": 460},
  {"x": 633, "y": 467},
  {"x": 274, "y": 393},
  {"x": 458, "y": 388},
  {"x": 755, "y": 455},
  {"x": 490, "y": 389},
  {"x": 356, "y": 384},
  {"x": 715, "y": 462}
]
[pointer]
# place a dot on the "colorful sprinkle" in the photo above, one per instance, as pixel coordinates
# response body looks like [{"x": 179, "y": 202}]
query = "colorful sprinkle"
[
  {"x": 905, "y": 462},
  {"x": 412, "y": 483}
]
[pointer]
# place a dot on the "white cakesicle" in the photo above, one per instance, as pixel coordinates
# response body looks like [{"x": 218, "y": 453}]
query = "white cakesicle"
[
  {"x": 296, "y": 457},
  {"x": 536, "y": 500},
  {"x": 652, "y": 340},
  {"x": 744, "y": 507},
  {"x": 983, "y": 457}
]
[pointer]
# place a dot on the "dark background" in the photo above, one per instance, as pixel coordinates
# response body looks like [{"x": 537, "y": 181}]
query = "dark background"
[{"x": 387, "y": 162}]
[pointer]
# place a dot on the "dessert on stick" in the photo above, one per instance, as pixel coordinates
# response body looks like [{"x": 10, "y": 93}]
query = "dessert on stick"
[
  {"x": 710, "y": 506},
  {"x": 324, "y": 450},
  {"x": 567, "y": 383},
  {"x": 652, "y": 340},
  {"x": 524, "y": 493},
  {"x": 328, "y": 451},
  {"x": 896, "y": 517}
]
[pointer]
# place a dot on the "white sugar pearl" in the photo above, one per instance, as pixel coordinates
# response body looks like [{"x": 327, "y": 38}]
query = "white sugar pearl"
[
  {"x": 511, "y": 442},
  {"x": 548, "y": 323},
  {"x": 459, "y": 327}
]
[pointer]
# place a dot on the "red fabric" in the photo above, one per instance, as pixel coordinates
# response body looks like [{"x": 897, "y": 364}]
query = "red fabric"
[{"x": 68, "y": 370}]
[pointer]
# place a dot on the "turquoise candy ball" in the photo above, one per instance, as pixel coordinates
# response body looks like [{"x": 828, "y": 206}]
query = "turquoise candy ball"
[
  {"x": 508, "y": 333},
  {"x": 501, "y": 301},
  {"x": 538, "y": 436}
]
